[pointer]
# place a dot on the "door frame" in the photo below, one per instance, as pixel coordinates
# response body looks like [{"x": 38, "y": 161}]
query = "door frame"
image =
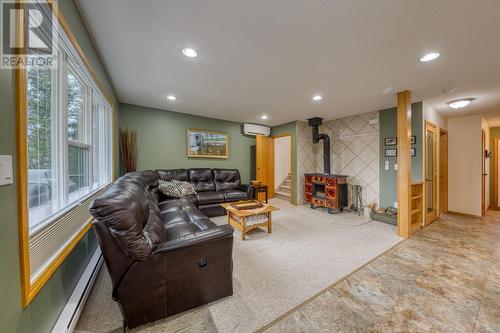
[
  {"x": 429, "y": 218},
  {"x": 291, "y": 161},
  {"x": 483, "y": 172},
  {"x": 443, "y": 172},
  {"x": 496, "y": 144}
]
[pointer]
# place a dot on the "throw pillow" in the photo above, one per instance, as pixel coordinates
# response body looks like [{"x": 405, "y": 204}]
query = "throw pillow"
[
  {"x": 185, "y": 188},
  {"x": 169, "y": 189},
  {"x": 176, "y": 188}
]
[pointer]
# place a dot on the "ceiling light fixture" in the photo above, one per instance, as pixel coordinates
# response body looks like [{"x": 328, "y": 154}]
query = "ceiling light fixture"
[
  {"x": 460, "y": 103},
  {"x": 189, "y": 52},
  {"x": 171, "y": 97},
  {"x": 430, "y": 56},
  {"x": 317, "y": 98},
  {"x": 264, "y": 117}
]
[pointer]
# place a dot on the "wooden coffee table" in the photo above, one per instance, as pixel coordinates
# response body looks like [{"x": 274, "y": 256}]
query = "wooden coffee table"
[{"x": 249, "y": 219}]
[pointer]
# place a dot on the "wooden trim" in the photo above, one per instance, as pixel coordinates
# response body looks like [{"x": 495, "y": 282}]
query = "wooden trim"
[
  {"x": 22, "y": 166},
  {"x": 443, "y": 171},
  {"x": 495, "y": 173},
  {"x": 404, "y": 162},
  {"x": 430, "y": 217},
  {"x": 64, "y": 24},
  {"x": 30, "y": 290}
]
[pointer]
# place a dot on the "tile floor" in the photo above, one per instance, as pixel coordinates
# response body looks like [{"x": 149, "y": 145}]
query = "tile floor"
[{"x": 444, "y": 279}]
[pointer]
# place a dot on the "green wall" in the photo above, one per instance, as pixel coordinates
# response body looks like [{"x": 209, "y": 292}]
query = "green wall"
[
  {"x": 388, "y": 128},
  {"x": 162, "y": 140},
  {"x": 42, "y": 313},
  {"x": 290, "y": 128},
  {"x": 494, "y": 133}
]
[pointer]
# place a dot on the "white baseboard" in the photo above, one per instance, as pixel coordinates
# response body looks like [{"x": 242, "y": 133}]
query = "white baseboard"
[{"x": 71, "y": 313}]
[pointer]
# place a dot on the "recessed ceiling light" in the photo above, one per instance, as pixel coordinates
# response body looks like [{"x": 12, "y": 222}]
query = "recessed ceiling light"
[
  {"x": 430, "y": 56},
  {"x": 460, "y": 103},
  {"x": 189, "y": 52},
  {"x": 317, "y": 98},
  {"x": 264, "y": 117},
  {"x": 171, "y": 97}
]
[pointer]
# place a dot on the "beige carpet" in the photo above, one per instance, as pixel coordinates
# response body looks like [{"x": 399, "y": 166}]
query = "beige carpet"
[{"x": 307, "y": 251}]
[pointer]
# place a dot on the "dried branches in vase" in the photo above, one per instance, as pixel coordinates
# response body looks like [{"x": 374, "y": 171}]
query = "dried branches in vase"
[{"x": 128, "y": 150}]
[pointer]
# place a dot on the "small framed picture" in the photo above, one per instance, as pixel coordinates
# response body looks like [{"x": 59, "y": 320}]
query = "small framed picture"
[
  {"x": 413, "y": 152},
  {"x": 413, "y": 139},
  {"x": 391, "y": 152},
  {"x": 391, "y": 141}
]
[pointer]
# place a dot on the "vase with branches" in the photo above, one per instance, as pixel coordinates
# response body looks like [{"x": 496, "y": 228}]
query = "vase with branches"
[{"x": 128, "y": 150}]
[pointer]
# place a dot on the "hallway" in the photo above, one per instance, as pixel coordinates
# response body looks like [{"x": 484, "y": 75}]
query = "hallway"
[{"x": 446, "y": 278}]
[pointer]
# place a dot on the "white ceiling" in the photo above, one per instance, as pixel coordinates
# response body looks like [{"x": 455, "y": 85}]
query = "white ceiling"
[{"x": 270, "y": 57}]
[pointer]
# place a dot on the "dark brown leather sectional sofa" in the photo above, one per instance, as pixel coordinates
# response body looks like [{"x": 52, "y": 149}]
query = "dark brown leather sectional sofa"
[{"x": 164, "y": 255}]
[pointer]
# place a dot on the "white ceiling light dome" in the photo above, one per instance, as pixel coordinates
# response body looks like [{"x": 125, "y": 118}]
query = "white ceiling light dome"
[
  {"x": 317, "y": 98},
  {"x": 189, "y": 52},
  {"x": 430, "y": 56},
  {"x": 460, "y": 103}
]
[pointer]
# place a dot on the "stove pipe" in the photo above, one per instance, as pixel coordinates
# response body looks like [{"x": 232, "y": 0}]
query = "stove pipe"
[{"x": 315, "y": 123}]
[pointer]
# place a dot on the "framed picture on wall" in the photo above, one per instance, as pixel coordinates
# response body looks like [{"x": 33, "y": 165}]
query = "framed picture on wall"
[
  {"x": 207, "y": 144},
  {"x": 391, "y": 141},
  {"x": 391, "y": 152},
  {"x": 413, "y": 139},
  {"x": 413, "y": 152}
]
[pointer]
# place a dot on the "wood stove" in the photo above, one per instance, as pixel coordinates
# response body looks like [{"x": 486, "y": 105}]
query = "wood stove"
[{"x": 326, "y": 190}]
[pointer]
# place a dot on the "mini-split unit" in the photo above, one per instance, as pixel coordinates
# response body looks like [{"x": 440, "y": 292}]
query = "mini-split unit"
[{"x": 252, "y": 129}]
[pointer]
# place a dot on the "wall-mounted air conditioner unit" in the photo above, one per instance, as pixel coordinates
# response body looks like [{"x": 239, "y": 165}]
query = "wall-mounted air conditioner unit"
[{"x": 251, "y": 129}]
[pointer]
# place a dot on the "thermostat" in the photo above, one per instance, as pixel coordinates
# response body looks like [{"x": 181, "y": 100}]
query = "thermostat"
[{"x": 6, "y": 170}]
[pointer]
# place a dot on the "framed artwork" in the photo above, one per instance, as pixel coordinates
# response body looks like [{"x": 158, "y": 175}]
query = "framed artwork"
[
  {"x": 391, "y": 152},
  {"x": 391, "y": 141},
  {"x": 413, "y": 139},
  {"x": 413, "y": 152},
  {"x": 207, "y": 144}
]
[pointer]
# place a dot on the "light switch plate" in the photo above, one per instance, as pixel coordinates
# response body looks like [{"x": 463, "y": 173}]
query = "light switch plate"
[
  {"x": 395, "y": 166},
  {"x": 6, "y": 170},
  {"x": 387, "y": 165}
]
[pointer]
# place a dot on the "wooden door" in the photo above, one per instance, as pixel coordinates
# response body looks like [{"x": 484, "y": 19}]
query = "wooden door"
[
  {"x": 430, "y": 173},
  {"x": 443, "y": 171},
  {"x": 264, "y": 152},
  {"x": 483, "y": 176}
]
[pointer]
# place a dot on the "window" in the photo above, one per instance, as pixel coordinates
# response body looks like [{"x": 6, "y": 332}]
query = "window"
[
  {"x": 65, "y": 149},
  {"x": 69, "y": 139}
]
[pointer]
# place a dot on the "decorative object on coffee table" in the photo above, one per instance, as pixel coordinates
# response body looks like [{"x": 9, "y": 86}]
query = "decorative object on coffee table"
[
  {"x": 245, "y": 220},
  {"x": 207, "y": 144},
  {"x": 246, "y": 205},
  {"x": 258, "y": 189}
]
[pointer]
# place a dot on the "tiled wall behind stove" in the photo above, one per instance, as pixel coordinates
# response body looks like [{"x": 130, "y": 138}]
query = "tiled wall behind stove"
[
  {"x": 305, "y": 157},
  {"x": 354, "y": 147}
]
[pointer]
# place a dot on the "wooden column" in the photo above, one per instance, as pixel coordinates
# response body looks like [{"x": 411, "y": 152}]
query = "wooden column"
[{"x": 404, "y": 163}]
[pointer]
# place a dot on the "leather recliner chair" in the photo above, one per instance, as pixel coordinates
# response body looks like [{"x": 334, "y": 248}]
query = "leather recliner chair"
[{"x": 161, "y": 262}]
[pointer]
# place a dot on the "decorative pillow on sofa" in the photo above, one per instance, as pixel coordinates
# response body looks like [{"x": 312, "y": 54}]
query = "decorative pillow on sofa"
[{"x": 175, "y": 188}]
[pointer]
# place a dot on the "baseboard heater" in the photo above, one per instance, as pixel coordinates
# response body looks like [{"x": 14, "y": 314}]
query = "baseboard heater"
[{"x": 72, "y": 310}]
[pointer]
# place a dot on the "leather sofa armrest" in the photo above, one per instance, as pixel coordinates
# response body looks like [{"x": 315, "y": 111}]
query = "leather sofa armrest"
[
  {"x": 195, "y": 238},
  {"x": 247, "y": 189}
]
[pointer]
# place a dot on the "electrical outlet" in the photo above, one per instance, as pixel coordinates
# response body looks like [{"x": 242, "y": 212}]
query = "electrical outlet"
[
  {"x": 6, "y": 170},
  {"x": 395, "y": 166}
]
